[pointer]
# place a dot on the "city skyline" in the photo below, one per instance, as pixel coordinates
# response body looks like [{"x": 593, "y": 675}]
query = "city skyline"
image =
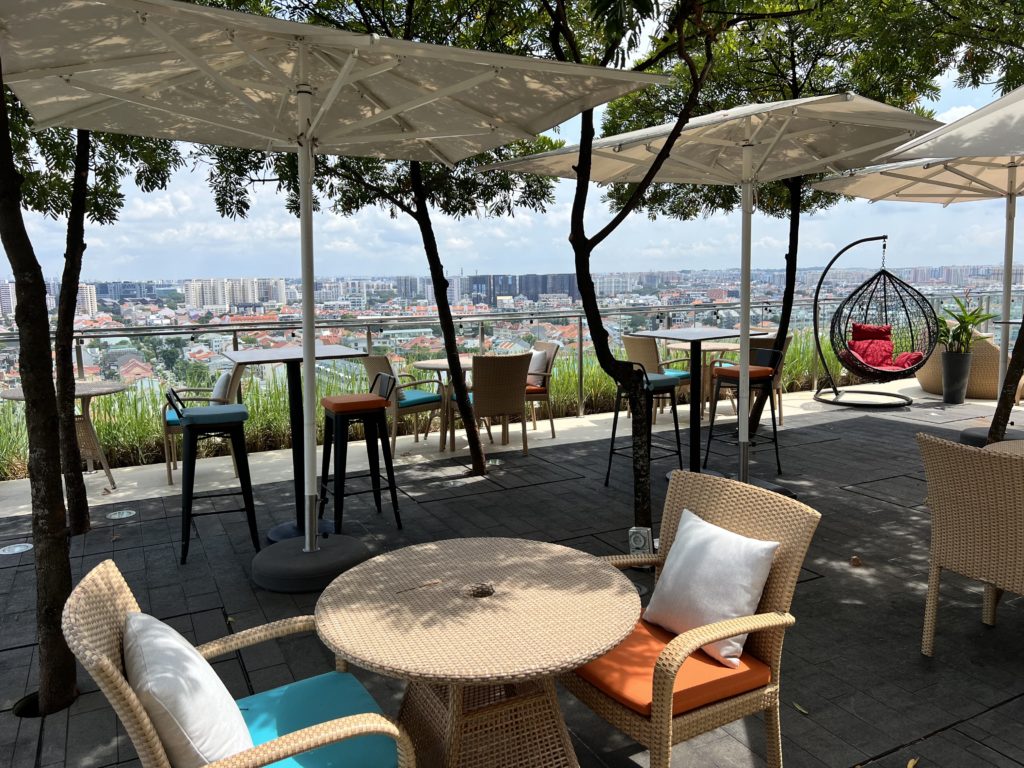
[{"x": 180, "y": 226}]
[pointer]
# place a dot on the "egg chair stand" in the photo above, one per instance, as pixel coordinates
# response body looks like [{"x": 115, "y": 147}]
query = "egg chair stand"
[{"x": 899, "y": 330}]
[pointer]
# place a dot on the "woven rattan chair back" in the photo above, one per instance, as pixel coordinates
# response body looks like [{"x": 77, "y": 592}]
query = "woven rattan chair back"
[
  {"x": 93, "y": 623},
  {"x": 768, "y": 342},
  {"x": 976, "y": 498},
  {"x": 757, "y": 514},
  {"x": 643, "y": 350},
  {"x": 499, "y": 385}
]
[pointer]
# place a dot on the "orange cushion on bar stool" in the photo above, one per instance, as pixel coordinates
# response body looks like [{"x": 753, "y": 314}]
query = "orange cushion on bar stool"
[
  {"x": 354, "y": 403},
  {"x": 733, "y": 372},
  {"x": 533, "y": 389},
  {"x": 626, "y": 673}
]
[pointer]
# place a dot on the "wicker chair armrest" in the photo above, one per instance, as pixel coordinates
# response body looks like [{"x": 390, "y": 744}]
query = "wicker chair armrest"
[
  {"x": 634, "y": 561},
  {"x": 418, "y": 382},
  {"x": 247, "y": 637},
  {"x": 681, "y": 646},
  {"x": 675, "y": 360},
  {"x": 218, "y": 400},
  {"x": 720, "y": 361},
  {"x": 194, "y": 389},
  {"x": 406, "y": 376},
  {"x": 321, "y": 735}
]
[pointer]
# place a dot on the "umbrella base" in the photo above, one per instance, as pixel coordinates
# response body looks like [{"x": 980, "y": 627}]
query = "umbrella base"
[
  {"x": 285, "y": 567},
  {"x": 290, "y": 530}
]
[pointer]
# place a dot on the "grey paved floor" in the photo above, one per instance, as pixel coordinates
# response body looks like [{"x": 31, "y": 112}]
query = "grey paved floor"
[{"x": 856, "y": 690}]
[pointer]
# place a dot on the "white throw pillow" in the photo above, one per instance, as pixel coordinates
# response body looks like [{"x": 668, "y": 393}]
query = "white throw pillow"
[
  {"x": 193, "y": 713},
  {"x": 538, "y": 364},
  {"x": 220, "y": 389},
  {"x": 710, "y": 574}
]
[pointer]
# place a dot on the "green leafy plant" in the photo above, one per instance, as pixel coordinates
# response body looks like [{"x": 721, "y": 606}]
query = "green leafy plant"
[{"x": 958, "y": 336}]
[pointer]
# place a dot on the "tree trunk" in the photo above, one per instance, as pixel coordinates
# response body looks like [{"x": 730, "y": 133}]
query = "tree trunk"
[
  {"x": 795, "y": 186},
  {"x": 444, "y": 315},
  {"x": 49, "y": 518},
  {"x": 71, "y": 458},
  {"x": 1014, "y": 370}
]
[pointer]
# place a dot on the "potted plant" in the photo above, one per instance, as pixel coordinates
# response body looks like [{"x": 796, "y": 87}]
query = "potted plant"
[{"x": 957, "y": 336}]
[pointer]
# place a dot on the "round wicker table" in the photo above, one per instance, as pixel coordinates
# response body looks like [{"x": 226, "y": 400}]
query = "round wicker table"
[
  {"x": 479, "y": 628},
  {"x": 1014, "y": 447}
]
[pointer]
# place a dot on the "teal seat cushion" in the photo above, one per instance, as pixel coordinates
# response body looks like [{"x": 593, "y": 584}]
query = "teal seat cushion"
[
  {"x": 312, "y": 701},
  {"x": 172, "y": 418},
  {"x": 414, "y": 397},
  {"x": 470, "y": 397},
  {"x": 676, "y": 373},
  {"x": 214, "y": 414},
  {"x": 660, "y": 382}
]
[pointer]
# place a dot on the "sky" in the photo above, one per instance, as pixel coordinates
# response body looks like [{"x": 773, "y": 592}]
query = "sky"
[{"x": 177, "y": 234}]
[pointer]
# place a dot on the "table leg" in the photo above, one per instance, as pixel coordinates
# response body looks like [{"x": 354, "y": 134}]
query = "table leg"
[
  {"x": 487, "y": 726},
  {"x": 95, "y": 438},
  {"x": 696, "y": 404}
]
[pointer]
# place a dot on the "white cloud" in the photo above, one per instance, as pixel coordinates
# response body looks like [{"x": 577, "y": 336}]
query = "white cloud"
[{"x": 955, "y": 113}]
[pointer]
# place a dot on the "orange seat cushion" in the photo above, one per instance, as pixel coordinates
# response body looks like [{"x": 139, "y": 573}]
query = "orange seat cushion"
[
  {"x": 353, "y": 403},
  {"x": 626, "y": 673},
  {"x": 533, "y": 389},
  {"x": 733, "y": 372}
]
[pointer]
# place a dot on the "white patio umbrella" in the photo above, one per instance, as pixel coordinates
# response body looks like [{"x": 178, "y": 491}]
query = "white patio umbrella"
[
  {"x": 745, "y": 146},
  {"x": 984, "y": 150},
  {"x": 166, "y": 69}
]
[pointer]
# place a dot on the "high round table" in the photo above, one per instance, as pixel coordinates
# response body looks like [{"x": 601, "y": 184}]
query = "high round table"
[
  {"x": 480, "y": 628},
  {"x": 88, "y": 441},
  {"x": 714, "y": 347}
]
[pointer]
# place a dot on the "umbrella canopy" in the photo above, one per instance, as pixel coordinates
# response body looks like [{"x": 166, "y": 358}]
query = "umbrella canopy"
[
  {"x": 956, "y": 180},
  {"x": 165, "y": 69},
  {"x": 746, "y": 145},
  {"x": 995, "y": 129},
  {"x": 173, "y": 70}
]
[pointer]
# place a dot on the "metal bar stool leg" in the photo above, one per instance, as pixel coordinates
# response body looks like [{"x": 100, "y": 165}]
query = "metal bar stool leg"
[
  {"x": 325, "y": 464},
  {"x": 370, "y": 433},
  {"x": 675, "y": 424},
  {"x": 340, "y": 457},
  {"x": 711, "y": 419},
  {"x": 615, "y": 424},
  {"x": 237, "y": 433},
  {"x": 775, "y": 431},
  {"x": 389, "y": 467},
  {"x": 190, "y": 441}
]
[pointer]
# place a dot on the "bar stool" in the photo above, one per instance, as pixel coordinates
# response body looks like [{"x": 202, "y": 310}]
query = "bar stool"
[
  {"x": 657, "y": 384},
  {"x": 763, "y": 366},
  {"x": 212, "y": 421},
  {"x": 339, "y": 412}
]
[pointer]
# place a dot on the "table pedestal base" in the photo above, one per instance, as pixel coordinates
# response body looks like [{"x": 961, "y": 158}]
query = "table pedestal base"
[
  {"x": 487, "y": 726},
  {"x": 285, "y": 567}
]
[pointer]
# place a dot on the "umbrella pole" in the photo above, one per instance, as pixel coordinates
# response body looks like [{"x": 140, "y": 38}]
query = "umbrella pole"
[
  {"x": 1011, "y": 213},
  {"x": 305, "y": 98},
  {"x": 743, "y": 397}
]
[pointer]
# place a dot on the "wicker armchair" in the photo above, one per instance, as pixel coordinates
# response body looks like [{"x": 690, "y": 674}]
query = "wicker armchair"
[
  {"x": 499, "y": 391},
  {"x": 644, "y": 350},
  {"x": 407, "y": 398},
  {"x": 976, "y": 498},
  {"x": 541, "y": 393},
  {"x": 94, "y": 621},
  {"x": 752, "y": 512}
]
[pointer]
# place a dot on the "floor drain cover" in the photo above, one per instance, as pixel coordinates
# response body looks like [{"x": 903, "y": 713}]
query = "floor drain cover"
[
  {"x": 495, "y": 462},
  {"x": 15, "y": 549},
  {"x": 121, "y": 514}
]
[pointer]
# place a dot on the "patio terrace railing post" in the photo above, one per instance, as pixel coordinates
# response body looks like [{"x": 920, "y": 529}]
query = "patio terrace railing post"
[
  {"x": 369, "y": 340},
  {"x": 579, "y": 367},
  {"x": 234, "y": 340},
  {"x": 480, "y": 348}
]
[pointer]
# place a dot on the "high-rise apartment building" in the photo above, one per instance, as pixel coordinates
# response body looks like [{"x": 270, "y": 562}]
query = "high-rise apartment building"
[
  {"x": 87, "y": 304},
  {"x": 205, "y": 294},
  {"x": 271, "y": 290},
  {"x": 8, "y": 300}
]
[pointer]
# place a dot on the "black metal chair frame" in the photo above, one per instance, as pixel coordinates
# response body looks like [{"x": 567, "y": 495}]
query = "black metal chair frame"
[
  {"x": 191, "y": 435},
  {"x": 663, "y": 445},
  {"x": 882, "y": 286},
  {"x": 770, "y": 358},
  {"x": 375, "y": 428}
]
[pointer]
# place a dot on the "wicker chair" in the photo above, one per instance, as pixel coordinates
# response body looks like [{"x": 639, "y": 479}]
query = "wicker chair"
[
  {"x": 976, "y": 498},
  {"x": 223, "y": 392},
  {"x": 499, "y": 391},
  {"x": 983, "y": 382},
  {"x": 752, "y": 512},
  {"x": 93, "y": 622},
  {"x": 644, "y": 350},
  {"x": 407, "y": 398},
  {"x": 540, "y": 393}
]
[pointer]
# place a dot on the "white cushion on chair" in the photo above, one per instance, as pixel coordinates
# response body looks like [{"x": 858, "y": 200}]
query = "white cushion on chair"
[
  {"x": 710, "y": 574},
  {"x": 193, "y": 713},
  {"x": 538, "y": 364}
]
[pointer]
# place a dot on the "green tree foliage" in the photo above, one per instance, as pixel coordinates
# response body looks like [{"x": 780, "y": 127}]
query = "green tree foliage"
[{"x": 986, "y": 38}]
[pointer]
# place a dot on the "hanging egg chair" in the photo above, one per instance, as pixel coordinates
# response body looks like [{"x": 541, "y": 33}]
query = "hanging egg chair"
[{"x": 883, "y": 331}]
